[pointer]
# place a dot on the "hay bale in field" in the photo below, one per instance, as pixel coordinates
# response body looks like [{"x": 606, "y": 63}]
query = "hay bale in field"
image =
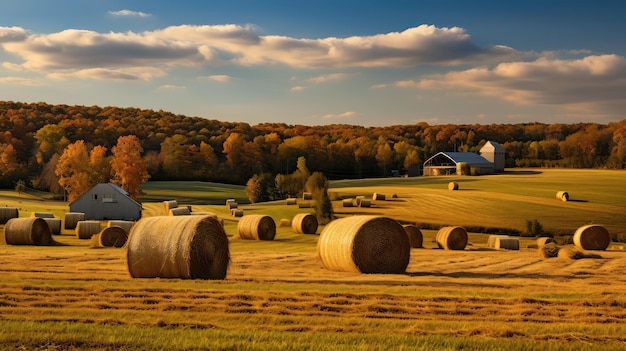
[
  {"x": 358, "y": 199},
  {"x": 85, "y": 229},
  {"x": 112, "y": 236},
  {"x": 41, "y": 215},
  {"x": 54, "y": 224},
  {"x": 377, "y": 196},
  {"x": 127, "y": 225},
  {"x": 452, "y": 238},
  {"x": 292, "y": 201},
  {"x": 364, "y": 244},
  {"x": 180, "y": 211},
  {"x": 543, "y": 241},
  {"x": 187, "y": 247},
  {"x": 549, "y": 250},
  {"x": 304, "y": 223},
  {"x": 231, "y": 205},
  {"x": 562, "y": 195},
  {"x": 592, "y": 237},
  {"x": 236, "y": 212},
  {"x": 572, "y": 253},
  {"x": 416, "y": 239},
  {"x": 7, "y": 213},
  {"x": 365, "y": 203},
  {"x": 305, "y": 204},
  {"x": 307, "y": 196},
  {"x": 27, "y": 231},
  {"x": 256, "y": 227},
  {"x": 72, "y": 219},
  {"x": 491, "y": 241},
  {"x": 170, "y": 205},
  {"x": 347, "y": 203},
  {"x": 507, "y": 243},
  {"x": 453, "y": 186},
  {"x": 284, "y": 222},
  {"x": 228, "y": 201}
]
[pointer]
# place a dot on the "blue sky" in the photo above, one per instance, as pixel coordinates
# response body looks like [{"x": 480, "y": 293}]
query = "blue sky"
[{"x": 370, "y": 63}]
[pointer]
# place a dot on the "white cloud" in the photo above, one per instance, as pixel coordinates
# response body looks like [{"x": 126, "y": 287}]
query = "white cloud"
[
  {"x": 329, "y": 77},
  {"x": 222, "y": 78},
  {"x": 131, "y": 73},
  {"x": 20, "y": 81},
  {"x": 129, "y": 13},
  {"x": 298, "y": 88},
  {"x": 348, "y": 114},
  {"x": 171, "y": 87}
]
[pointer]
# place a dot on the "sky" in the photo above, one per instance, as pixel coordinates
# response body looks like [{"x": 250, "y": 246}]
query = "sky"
[{"x": 367, "y": 63}]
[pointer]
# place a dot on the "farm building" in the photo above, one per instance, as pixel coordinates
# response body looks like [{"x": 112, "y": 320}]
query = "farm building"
[
  {"x": 494, "y": 153},
  {"x": 107, "y": 201},
  {"x": 448, "y": 163}
]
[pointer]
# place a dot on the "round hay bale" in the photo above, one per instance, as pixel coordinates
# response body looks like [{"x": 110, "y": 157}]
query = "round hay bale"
[
  {"x": 256, "y": 227},
  {"x": 506, "y": 243},
  {"x": 180, "y": 211},
  {"x": 364, "y": 244},
  {"x": 592, "y": 237},
  {"x": 72, "y": 219},
  {"x": 54, "y": 224},
  {"x": 365, "y": 203},
  {"x": 41, "y": 215},
  {"x": 453, "y": 186},
  {"x": 562, "y": 195},
  {"x": 543, "y": 241},
  {"x": 27, "y": 231},
  {"x": 549, "y": 250},
  {"x": 491, "y": 241},
  {"x": 85, "y": 229},
  {"x": 170, "y": 205},
  {"x": 284, "y": 222},
  {"x": 347, "y": 203},
  {"x": 228, "y": 201},
  {"x": 452, "y": 238},
  {"x": 377, "y": 196},
  {"x": 190, "y": 247},
  {"x": 292, "y": 201},
  {"x": 236, "y": 213},
  {"x": 358, "y": 199},
  {"x": 305, "y": 204},
  {"x": 127, "y": 225},
  {"x": 7, "y": 213},
  {"x": 232, "y": 205},
  {"x": 304, "y": 223},
  {"x": 394, "y": 196},
  {"x": 112, "y": 236},
  {"x": 416, "y": 239},
  {"x": 307, "y": 196}
]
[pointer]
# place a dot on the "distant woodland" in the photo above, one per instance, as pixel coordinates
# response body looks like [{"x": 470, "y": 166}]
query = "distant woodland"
[{"x": 34, "y": 136}]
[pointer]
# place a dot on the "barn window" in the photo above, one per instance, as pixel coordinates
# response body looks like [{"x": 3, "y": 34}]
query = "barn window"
[
  {"x": 108, "y": 198},
  {"x": 94, "y": 196}
]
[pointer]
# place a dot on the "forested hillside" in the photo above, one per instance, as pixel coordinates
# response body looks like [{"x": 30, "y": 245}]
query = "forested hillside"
[{"x": 176, "y": 147}]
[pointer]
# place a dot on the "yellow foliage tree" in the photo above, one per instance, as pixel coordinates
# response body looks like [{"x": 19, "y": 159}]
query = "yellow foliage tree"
[{"x": 128, "y": 168}]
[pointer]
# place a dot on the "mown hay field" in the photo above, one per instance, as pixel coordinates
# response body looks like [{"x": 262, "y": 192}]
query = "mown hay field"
[{"x": 277, "y": 295}]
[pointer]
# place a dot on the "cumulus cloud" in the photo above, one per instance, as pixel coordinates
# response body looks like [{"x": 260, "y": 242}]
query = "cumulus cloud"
[
  {"x": 20, "y": 81},
  {"x": 129, "y": 13},
  {"x": 222, "y": 78},
  {"x": 595, "y": 83},
  {"x": 190, "y": 45},
  {"x": 347, "y": 114},
  {"x": 133, "y": 73},
  {"x": 171, "y": 87},
  {"x": 329, "y": 77}
]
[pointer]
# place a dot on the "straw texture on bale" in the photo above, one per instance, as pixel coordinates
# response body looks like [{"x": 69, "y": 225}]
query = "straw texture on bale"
[
  {"x": 256, "y": 227},
  {"x": 452, "y": 238},
  {"x": 180, "y": 211},
  {"x": 304, "y": 223},
  {"x": 541, "y": 242},
  {"x": 364, "y": 244},
  {"x": 491, "y": 241},
  {"x": 506, "y": 244},
  {"x": 113, "y": 236},
  {"x": 453, "y": 186},
  {"x": 284, "y": 222},
  {"x": 41, "y": 215},
  {"x": 126, "y": 225},
  {"x": 592, "y": 237},
  {"x": 191, "y": 247},
  {"x": 72, "y": 219},
  {"x": 54, "y": 224},
  {"x": 170, "y": 205},
  {"x": 307, "y": 196},
  {"x": 365, "y": 203},
  {"x": 292, "y": 201},
  {"x": 347, "y": 203},
  {"x": 549, "y": 250},
  {"x": 377, "y": 196},
  {"x": 7, "y": 213},
  {"x": 236, "y": 213},
  {"x": 358, "y": 199},
  {"x": 27, "y": 231},
  {"x": 85, "y": 229},
  {"x": 562, "y": 195},
  {"x": 416, "y": 239},
  {"x": 572, "y": 253}
]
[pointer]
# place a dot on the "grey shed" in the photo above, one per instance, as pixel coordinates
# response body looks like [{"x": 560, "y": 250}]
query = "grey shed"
[
  {"x": 494, "y": 152},
  {"x": 107, "y": 201}
]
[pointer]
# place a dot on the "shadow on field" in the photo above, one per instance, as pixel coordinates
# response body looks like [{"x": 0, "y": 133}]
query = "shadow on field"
[
  {"x": 521, "y": 172},
  {"x": 478, "y": 275}
]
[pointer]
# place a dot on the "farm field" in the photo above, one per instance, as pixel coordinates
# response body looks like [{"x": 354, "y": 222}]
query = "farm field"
[{"x": 278, "y": 296}]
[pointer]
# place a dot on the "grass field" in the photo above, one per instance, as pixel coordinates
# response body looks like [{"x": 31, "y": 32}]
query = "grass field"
[{"x": 278, "y": 296}]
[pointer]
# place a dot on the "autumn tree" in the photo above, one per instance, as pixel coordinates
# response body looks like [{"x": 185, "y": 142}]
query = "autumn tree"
[
  {"x": 10, "y": 167},
  {"x": 100, "y": 165},
  {"x": 128, "y": 168},
  {"x": 74, "y": 170}
]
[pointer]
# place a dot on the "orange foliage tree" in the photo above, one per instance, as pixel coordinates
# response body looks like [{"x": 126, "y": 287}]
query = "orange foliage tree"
[{"x": 128, "y": 168}]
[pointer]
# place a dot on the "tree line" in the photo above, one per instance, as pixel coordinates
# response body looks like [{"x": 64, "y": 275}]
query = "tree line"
[{"x": 34, "y": 136}]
